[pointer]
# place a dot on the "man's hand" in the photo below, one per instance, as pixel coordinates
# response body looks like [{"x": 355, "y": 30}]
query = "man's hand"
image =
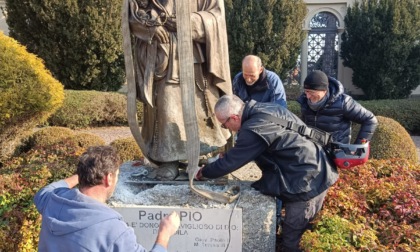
[
  {"x": 198, "y": 175},
  {"x": 168, "y": 226},
  {"x": 214, "y": 159},
  {"x": 72, "y": 181}
]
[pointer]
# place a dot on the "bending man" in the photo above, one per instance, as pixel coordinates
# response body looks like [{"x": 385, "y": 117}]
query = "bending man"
[{"x": 294, "y": 168}]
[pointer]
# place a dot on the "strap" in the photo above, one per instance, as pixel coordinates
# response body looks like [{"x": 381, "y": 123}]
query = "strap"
[
  {"x": 315, "y": 135},
  {"x": 131, "y": 83},
  {"x": 187, "y": 82}
]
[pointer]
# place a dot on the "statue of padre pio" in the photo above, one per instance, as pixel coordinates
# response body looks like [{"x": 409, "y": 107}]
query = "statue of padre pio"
[{"x": 153, "y": 30}]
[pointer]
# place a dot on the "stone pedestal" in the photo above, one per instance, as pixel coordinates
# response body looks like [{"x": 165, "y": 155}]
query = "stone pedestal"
[{"x": 146, "y": 203}]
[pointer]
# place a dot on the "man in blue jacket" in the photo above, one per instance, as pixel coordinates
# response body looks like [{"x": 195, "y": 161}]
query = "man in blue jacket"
[
  {"x": 294, "y": 168},
  {"x": 257, "y": 83},
  {"x": 324, "y": 105},
  {"x": 79, "y": 220},
  {"x": 261, "y": 85}
]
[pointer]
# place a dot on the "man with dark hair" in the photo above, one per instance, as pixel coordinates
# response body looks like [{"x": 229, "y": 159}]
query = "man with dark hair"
[
  {"x": 324, "y": 105},
  {"x": 294, "y": 169},
  {"x": 79, "y": 219},
  {"x": 257, "y": 83}
]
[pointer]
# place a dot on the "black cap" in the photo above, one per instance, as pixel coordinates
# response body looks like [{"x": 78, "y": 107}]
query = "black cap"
[{"x": 316, "y": 80}]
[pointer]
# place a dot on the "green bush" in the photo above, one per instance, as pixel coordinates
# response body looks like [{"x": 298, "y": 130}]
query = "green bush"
[
  {"x": 85, "y": 140},
  {"x": 48, "y": 136},
  {"x": 127, "y": 149},
  {"x": 293, "y": 92},
  {"x": 28, "y": 94},
  {"x": 381, "y": 45},
  {"x": 372, "y": 207},
  {"x": 270, "y": 29},
  {"x": 83, "y": 109},
  {"x": 390, "y": 140},
  {"x": 335, "y": 233},
  {"x": 80, "y": 41},
  {"x": 404, "y": 111},
  {"x": 20, "y": 178}
]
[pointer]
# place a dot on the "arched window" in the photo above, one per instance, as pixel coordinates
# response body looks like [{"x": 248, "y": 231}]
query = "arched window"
[{"x": 323, "y": 44}]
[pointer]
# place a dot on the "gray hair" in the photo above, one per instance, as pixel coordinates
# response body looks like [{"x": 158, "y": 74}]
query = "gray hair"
[{"x": 228, "y": 105}]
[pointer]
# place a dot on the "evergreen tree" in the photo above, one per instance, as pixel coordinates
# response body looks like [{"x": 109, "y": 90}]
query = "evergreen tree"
[
  {"x": 79, "y": 40},
  {"x": 382, "y": 46},
  {"x": 271, "y": 29}
]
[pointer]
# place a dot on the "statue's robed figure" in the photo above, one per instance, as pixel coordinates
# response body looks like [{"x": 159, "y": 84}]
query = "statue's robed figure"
[{"x": 153, "y": 24}]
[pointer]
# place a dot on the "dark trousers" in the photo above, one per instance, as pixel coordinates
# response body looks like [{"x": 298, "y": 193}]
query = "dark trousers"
[{"x": 298, "y": 216}]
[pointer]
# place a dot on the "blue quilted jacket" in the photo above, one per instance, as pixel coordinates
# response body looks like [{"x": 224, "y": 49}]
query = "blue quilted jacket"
[{"x": 337, "y": 115}]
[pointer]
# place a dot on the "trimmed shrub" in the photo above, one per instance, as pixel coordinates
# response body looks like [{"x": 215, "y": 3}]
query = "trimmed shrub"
[
  {"x": 48, "y": 136},
  {"x": 28, "y": 94},
  {"x": 335, "y": 233},
  {"x": 83, "y": 109},
  {"x": 293, "y": 92},
  {"x": 85, "y": 140},
  {"x": 127, "y": 149},
  {"x": 404, "y": 111},
  {"x": 372, "y": 207},
  {"x": 20, "y": 178},
  {"x": 390, "y": 140},
  {"x": 294, "y": 107}
]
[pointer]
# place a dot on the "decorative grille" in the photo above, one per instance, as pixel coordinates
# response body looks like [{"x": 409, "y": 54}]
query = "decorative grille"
[{"x": 323, "y": 44}]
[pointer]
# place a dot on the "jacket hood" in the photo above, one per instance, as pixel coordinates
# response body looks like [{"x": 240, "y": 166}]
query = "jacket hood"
[
  {"x": 335, "y": 88},
  {"x": 72, "y": 211}
]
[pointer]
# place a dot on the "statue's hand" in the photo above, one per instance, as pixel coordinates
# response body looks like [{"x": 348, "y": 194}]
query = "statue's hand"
[
  {"x": 161, "y": 35},
  {"x": 142, "y": 31}
]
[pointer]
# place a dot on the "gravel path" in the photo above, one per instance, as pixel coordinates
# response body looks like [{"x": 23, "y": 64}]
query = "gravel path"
[{"x": 109, "y": 134}]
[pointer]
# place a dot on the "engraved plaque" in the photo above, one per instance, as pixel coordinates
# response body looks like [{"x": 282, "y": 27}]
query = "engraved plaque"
[{"x": 210, "y": 230}]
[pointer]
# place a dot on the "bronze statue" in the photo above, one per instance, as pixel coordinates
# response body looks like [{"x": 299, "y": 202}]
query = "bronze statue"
[{"x": 156, "y": 75}]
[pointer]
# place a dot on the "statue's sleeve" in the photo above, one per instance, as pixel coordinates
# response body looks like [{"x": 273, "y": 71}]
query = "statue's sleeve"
[{"x": 215, "y": 38}]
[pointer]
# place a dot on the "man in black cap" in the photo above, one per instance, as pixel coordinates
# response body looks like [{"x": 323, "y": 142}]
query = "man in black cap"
[{"x": 324, "y": 105}]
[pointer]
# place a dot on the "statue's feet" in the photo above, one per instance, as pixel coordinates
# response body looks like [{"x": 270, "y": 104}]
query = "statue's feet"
[{"x": 167, "y": 171}]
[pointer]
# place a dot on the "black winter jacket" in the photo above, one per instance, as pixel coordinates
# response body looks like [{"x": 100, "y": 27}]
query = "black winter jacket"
[
  {"x": 337, "y": 115},
  {"x": 293, "y": 167}
]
